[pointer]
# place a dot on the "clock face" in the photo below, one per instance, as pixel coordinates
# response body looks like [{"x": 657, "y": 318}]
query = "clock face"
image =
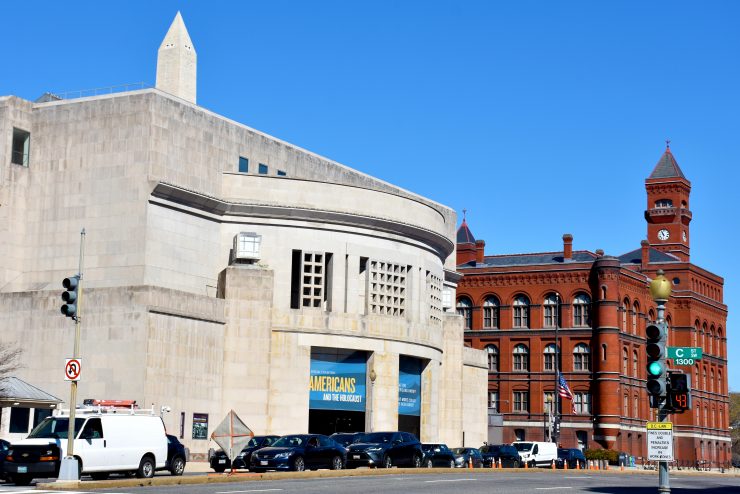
[{"x": 663, "y": 234}]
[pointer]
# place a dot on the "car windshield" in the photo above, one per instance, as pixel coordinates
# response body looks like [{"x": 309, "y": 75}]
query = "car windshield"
[
  {"x": 344, "y": 439},
  {"x": 459, "y": 451},
  {"x": 562, "y": 453},
  {"x": 376, "y": 437},
  {"x": 490, "y": 449},
  {"x": 54, "y": 428},
  {"x": 253, "y": 443},
  {"x": 523, "y": 446},
  {"x": 429, "y": 447},
  {"x": 290, "y": 442}
]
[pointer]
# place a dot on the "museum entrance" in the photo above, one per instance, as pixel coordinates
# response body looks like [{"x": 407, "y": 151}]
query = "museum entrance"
[{"x": 337, "y": 391}]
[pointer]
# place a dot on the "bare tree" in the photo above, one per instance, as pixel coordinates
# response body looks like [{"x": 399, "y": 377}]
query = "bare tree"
[{"x": 9, "y": 359}]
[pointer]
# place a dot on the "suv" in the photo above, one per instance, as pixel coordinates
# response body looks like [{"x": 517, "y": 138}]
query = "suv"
[
  {"x": 177, "y": 455},
  {"x": 385, "y": 449},
  {"x": 507, "y": 453},
  {"x": 573, "y": 456}
]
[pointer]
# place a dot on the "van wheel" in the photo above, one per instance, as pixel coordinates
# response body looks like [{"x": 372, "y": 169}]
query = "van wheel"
[
  {"x": 21, "y": 479},
  {"x": 417, "y": 461},
  {"x": 99, "y": 475},
  {"x": 387, "y": 462},
  {"x": 430, "y": 464},
  {"x": 532, "y": 464},
  {"x": 452, "y": 463},
  {"x": 146, "y": 468},
  {"x": 178, "y": 466},
  {"x": 219, "y": 469},
  {"x": 336, "y": 463}
]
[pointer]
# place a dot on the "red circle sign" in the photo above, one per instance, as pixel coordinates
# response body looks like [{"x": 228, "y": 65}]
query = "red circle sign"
[{"x": 72, "y": 369}]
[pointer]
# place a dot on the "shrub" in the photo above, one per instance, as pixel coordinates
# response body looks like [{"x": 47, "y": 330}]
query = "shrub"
[{"x": 603, "y": 454}]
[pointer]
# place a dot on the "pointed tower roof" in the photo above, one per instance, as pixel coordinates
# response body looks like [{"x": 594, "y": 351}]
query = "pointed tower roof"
[
  {"x": 667, "y": 166},
  {"x": 464, "y": 235},
  {"x": 177, "y": 62}
]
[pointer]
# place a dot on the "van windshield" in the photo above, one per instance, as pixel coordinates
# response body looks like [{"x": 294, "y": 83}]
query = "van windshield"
[
  {"x": 54, "y": 428},
  {"x": 523, "y": 446}
]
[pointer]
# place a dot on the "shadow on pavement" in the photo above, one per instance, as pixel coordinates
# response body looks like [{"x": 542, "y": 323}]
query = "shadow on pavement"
[{"x": 653, "y": 489}]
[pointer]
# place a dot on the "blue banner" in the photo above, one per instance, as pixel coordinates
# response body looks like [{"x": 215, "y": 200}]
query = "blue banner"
[
  {"x": 409, "y": 386},
  {"x": 337, "y": 381}
]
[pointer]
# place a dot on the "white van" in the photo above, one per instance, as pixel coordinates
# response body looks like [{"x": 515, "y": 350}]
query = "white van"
[
  {"x": 106, "y": 440},
  {"x": 536, "y": 453}
]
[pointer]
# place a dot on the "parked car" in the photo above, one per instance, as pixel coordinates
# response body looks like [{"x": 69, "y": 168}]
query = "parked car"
[
  {"x": 177, "y": 456},
  {"x": 573, "y": 456},
  {"x": 108, "y": 441},
  {"x": 507, "y": 453},
  {"x": 346, "y": 438},
  {"x": 536, "y": 453},
  {"x": 464, "y": 455},
  {"x": 4, "y": 446},
  {"x": 385, "y": 449},
  {"x": 300, "y": 452},
  {"x": 220, "y": 461},
  {"x": 437, "y": 455}
]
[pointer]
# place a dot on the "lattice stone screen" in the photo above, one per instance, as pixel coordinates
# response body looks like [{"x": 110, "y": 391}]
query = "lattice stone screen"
[{"x": 387, "y": 288}]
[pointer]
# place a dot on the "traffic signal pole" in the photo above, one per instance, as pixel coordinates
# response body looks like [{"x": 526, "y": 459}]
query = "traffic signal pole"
[
  {"x": 660, "y": 290},
  {"x": 69, "y": 468}
]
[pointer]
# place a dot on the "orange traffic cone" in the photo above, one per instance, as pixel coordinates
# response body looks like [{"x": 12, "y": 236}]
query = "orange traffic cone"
[
  {"x": 499, "y": 463},
  {"x": 526, "y": 465},
  {"x": 553, "y": 465},
  {"x": 565, "y": 464},
  {"x": 578, "y": 465},
  {"x": 470, "y": 462}
]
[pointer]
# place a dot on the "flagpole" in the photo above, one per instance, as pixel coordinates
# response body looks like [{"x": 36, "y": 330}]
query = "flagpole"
[{"x": 556, "y": 413}]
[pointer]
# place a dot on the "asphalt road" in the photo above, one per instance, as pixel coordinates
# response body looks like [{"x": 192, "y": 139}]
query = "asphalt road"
[{"x": 538, "y": 482}]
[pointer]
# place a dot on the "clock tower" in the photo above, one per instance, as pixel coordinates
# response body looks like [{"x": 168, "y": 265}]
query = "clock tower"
[{"x": 667, "y": 214}]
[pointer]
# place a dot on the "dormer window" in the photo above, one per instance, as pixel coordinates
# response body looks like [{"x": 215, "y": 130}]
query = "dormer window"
[{"x": 663, "y": 203}]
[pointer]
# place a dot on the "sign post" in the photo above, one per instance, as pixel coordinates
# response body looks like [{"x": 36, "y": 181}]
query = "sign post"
[{"x": 660, "y": 441}]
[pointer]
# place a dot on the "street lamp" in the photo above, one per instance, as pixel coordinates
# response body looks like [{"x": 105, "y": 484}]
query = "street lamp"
[{"x": 660, "y": 291}]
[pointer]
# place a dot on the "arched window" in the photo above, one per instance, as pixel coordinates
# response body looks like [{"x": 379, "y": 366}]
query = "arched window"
[
  {"x": 625, "y": 360},
  {"x": 636, "y": 407},
  {"x": 634, "y": 363},
  {"x": 635, "y": 311},
  {"x": 625, "y": 311},
  {"x": 710, "y": 345},
  {"x": 492, "y": 352},
  {"x": 521, "y": 312},
  {"x": 695, "y": 335},
  {"x": 521, "y": 357},
  {"x": 721, "y": 424},
  {"x": 704, "y": 332},
  {"x": 711, "y": 380},
  {"x": 581, "y": 310},
  {"x": 720, "y": 386},
  {"x": 720, "y": 346},
  {"x": 581, "y": 357},
  {"x": 490, "y": 313},
  {"x": 626, "y": 405},
  {"x": 550, "y": 355},
  {"x": 704, "y": 378},
  {"x": 551, "y": 306},
  {"x": 651, "y": 315},
  {"x": 465, "y": 309},
  {"x": 663, "y": 203}
]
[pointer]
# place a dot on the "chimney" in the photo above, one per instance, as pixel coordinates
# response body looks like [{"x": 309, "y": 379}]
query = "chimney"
[
  {"x": 480, "y": 246},
  {"x": 567, "y": 247},
  {"x": 645, "y": 257}
]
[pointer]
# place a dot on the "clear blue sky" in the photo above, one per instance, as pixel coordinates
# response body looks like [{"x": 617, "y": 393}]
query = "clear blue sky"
[{"x": 539, "y": 118}]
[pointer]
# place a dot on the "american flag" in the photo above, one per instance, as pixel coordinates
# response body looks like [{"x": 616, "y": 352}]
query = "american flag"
[{"x": 564, "y": 391}]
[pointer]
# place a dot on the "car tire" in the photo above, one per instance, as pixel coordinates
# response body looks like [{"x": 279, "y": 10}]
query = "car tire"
[
  {"x": 416, "y": 461},
  {"x": 99, "y": 475},
  {"x": 146, "y": 468},
  {"x": 387, "y": 462},
  {"x": 430, "y": 463},
  {"x": 299, "y": 464},
  {"x": 336, "y": 463},
  {"x": 452, "y": 463},
  {"x": 532, "y": 464},
  {"x": 178, "y": 466},
  {"x": 21, "y": 479}
]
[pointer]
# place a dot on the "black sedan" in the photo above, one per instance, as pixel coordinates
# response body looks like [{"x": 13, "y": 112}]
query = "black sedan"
[
  {"x": 220, "y": 461},
  {"x": 300, "y": 452},
  {"x": 437, "y": 455},
  {"x": 505, "y": 453},
  {"x": 385, "y": 449},
  {"x": 463, "y": 457},
  {"x": 573, "y": 456}
]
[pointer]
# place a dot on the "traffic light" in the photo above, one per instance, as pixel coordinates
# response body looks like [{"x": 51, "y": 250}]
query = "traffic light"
[
  {"x": 679, "y": 391},
  {"x": 69, "y": 296},
  {"x": 657, "y": 334}
]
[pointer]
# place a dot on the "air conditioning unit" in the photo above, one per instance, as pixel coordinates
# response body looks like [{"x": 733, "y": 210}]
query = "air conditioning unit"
[{"x": 247, "y": 247}]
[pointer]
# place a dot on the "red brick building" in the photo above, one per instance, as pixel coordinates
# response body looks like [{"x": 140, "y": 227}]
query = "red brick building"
[{"x": 598, "y": 305}]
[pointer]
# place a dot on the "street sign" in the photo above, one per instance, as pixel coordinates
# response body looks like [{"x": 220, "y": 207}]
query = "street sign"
[
  {"x": 684, "y": 355},
  {"x": 72, "y": 369},
  {"x": 660, "y": 441}
]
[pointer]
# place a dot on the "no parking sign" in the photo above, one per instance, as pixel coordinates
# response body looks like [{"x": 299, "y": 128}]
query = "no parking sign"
[{"x": 72, "y": 369}]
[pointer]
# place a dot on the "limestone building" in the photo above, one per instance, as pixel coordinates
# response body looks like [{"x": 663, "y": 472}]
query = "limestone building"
[{"x": 226, "y": 269}]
